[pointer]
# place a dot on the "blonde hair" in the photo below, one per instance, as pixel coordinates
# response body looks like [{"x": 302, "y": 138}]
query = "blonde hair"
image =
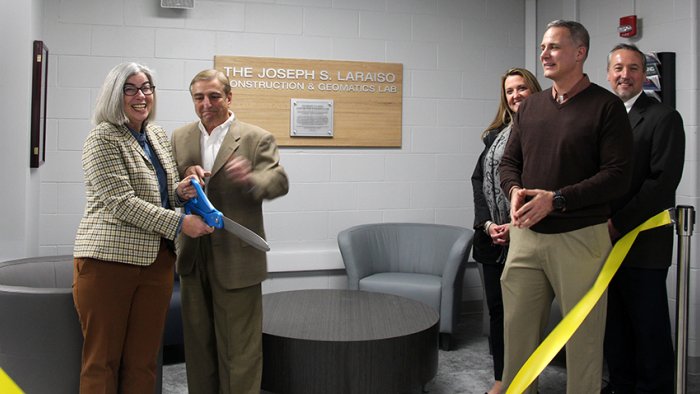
[{"x": 504, "y": 115}]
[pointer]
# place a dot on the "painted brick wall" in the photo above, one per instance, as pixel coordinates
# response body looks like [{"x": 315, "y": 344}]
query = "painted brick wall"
[{"x": 452, "y": 52}]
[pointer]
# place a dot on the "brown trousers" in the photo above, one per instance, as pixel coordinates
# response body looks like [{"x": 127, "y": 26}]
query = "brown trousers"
[{"x": 122, "y": 309}]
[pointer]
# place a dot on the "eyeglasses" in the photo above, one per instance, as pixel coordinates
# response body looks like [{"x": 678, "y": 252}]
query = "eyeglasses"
[{"x": 131, "y": 90}]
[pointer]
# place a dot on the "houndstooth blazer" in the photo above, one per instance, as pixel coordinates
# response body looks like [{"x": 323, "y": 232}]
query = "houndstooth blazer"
[{"x": 124, "y": 220}]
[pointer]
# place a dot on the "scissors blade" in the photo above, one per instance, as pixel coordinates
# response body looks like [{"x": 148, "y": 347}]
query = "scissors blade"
[{"x": 246, "y": 235}]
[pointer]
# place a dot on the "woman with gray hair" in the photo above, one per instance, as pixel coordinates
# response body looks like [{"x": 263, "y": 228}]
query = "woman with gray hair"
[{"x": 124, "y": 253}]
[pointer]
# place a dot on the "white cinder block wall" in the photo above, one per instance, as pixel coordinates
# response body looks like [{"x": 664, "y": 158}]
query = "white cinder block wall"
[
  {"x": 20, "y": 24},
  {"x": 452, "y": 50}
]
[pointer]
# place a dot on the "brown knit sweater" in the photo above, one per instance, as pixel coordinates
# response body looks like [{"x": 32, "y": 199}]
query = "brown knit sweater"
[{"x": 583, "y": 147}]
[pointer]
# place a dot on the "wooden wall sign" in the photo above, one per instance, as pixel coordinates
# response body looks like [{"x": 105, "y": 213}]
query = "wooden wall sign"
[{"x": 360, "y": 101}]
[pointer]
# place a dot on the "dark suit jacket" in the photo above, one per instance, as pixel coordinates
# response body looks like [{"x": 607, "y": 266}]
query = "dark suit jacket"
[
  {"x": 659, "y": 150},
  {"x": 236, "y": 263}
]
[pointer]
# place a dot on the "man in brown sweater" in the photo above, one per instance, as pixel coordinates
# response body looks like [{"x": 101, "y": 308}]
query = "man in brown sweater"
[{"x": 568, "y": 156}]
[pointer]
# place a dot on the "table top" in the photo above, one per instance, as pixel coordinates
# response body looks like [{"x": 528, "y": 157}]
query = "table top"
[{"x": 343, "y": 315}]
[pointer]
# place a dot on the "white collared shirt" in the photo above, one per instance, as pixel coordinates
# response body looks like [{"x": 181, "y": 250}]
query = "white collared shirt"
[
  {"x": 211, "y": 143},
  {"x": 630, "y": 103}
]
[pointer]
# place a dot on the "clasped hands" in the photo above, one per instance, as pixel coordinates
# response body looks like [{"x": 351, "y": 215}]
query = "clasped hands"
[
  {"x": 527, "y": 214},
  {"x": 499, "y": 233}
]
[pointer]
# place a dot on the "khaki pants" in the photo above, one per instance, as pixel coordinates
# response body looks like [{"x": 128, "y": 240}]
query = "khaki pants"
[
  {"x": 122, "y": 309},
  {"x": 539, "y": 267},
  {"x": 223, "y": 334}
]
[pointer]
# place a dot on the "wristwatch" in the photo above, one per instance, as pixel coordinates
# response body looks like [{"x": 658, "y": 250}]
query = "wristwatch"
[{"x": 559, "y": 202}]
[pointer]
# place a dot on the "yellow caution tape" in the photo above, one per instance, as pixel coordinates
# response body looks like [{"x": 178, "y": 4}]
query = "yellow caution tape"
[
  {"x": 7, "y": 386},
  {"x": 570, "y": 323}
]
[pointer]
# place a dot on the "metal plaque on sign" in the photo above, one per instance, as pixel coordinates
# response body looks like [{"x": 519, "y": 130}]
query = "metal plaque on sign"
[{"x": 311, "y": 118}]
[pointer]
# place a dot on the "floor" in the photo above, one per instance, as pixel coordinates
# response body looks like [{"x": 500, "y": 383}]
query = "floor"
[{"x": 465, "y": 369}]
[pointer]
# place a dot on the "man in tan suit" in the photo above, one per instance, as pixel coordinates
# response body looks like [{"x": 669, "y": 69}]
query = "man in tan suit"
[{"x": 220, "y": 274}]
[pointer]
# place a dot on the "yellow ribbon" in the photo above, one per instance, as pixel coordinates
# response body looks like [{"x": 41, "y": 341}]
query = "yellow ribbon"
[
  {"x": 570, "y": 323},
  {"x": 7, "y": 386}
]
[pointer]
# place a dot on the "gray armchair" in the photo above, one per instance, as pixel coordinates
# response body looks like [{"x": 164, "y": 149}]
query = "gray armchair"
[
  {"x": 424, "y": 262},
  {"x": 40, "y": 337}
]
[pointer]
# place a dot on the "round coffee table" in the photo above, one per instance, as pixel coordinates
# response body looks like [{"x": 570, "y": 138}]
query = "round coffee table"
[{"x": 347, "y": 341}]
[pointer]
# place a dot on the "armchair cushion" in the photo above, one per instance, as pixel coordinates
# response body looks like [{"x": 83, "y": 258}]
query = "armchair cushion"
[{"x": 420, "y": 287}]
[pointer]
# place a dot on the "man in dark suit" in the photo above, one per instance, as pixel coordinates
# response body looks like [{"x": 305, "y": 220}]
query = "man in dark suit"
[
  {"x": 638, "y": 344},
  {"x": 220, "y": 275}
]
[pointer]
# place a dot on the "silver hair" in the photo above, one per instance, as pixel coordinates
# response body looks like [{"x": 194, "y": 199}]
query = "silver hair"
[
  {"x": 578, "y": 32},
  {"x": 110, "y": 99},
  {"x": 629, "y": 47}
]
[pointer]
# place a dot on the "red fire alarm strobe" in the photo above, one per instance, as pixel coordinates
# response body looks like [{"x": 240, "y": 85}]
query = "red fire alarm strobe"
[{"x": 628, "y": 26}]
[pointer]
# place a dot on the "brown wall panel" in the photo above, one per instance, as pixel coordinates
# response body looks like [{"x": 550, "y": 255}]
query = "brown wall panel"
[{"x": 367, "y": 97}]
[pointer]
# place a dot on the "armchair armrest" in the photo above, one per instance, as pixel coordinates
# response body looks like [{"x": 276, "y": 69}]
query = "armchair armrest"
[
  {"x": 459, "y": 254},
  {"x": 452, "y": 279},
  {"x": 358, "y": 263}
]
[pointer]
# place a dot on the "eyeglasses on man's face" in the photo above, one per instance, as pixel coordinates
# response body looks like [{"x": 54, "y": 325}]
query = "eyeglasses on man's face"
[{"x": 131, "y": 90}]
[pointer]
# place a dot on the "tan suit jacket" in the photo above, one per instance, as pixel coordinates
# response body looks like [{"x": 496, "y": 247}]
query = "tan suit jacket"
[
  {"x": 124, "y": 220},
  {"x": 236, "y": 263}
]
